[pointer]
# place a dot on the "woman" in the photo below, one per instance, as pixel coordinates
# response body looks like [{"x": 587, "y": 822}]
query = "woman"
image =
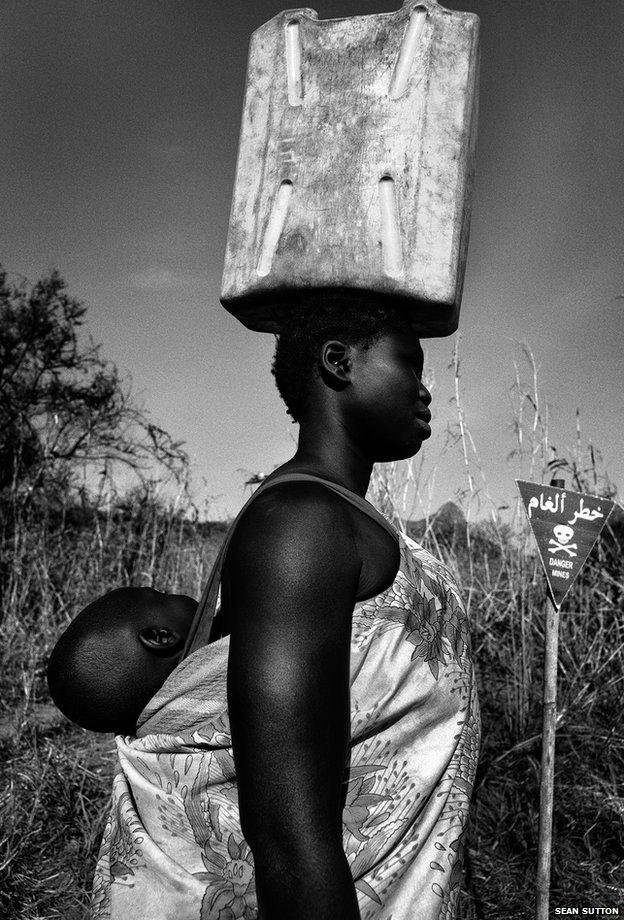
[{"x": 315, "y": 759}]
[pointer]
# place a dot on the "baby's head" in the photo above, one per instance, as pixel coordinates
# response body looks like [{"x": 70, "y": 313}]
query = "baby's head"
[{"x": 116, "y": 654}]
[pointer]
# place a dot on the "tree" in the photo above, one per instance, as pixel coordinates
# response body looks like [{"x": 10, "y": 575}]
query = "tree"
[{"x": 63, "y": 407}]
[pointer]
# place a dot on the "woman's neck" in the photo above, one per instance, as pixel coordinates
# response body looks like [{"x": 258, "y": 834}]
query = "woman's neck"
[{"x": 330, "y": 455}]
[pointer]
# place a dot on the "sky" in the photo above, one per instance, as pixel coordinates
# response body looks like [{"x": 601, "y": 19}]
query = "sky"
[{"x": 120, "y": 126}]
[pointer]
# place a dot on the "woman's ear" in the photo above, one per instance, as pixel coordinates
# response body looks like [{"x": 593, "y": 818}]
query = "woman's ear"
[
  {"x": 335, "y": 360},
  {"x": 161, "y": 640}
]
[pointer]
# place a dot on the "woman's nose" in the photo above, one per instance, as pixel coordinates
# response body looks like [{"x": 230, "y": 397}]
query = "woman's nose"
[{"x": 425, "y": 395}]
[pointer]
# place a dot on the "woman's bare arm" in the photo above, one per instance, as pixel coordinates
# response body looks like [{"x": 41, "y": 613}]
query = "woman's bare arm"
[{"x": 292, "y": 572}]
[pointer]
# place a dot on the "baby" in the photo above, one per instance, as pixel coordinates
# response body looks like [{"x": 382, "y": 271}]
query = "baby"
[{"x": 116, "y": 654}]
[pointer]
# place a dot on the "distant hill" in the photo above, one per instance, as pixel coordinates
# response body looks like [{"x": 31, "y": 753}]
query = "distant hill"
[{"x": 447, "y": 525}]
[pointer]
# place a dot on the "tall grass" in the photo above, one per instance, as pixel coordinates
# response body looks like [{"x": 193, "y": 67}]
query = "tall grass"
[
  {"x": 504, "y": 589},
  {"x": 55, "y": 778}
]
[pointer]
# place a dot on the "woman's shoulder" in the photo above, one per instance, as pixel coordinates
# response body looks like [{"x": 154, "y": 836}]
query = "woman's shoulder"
[
  {"x": 296, "y": 527},
  {"x": 298, "y": 507}
]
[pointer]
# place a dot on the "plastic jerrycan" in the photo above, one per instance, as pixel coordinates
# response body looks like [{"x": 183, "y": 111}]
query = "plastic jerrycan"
[{"x": 355, "y": 164}]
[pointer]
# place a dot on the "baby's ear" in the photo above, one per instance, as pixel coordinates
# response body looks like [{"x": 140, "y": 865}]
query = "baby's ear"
[{"x": 161, "y": 640}]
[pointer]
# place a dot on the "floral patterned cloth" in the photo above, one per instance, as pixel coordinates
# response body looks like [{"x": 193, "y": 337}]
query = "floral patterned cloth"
[{"x": 173, "y": 848}]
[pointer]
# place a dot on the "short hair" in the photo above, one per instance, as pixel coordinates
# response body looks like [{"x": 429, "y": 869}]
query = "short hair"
[{"x": 353, "y": 318}]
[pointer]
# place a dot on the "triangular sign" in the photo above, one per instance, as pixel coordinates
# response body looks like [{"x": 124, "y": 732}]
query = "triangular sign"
[{"x": 565, "y": 525}]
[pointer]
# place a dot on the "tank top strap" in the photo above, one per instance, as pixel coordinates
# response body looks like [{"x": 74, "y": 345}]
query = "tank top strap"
[
  {"x": 202, "y": 622},
  {"x": 350, "y": 496}
]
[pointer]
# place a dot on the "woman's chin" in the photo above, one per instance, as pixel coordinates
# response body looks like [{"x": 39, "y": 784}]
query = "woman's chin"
[{"x": 401, "y": 452}]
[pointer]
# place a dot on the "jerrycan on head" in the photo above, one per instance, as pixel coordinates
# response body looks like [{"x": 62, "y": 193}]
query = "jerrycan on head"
[{"x": 356, "y": 163}]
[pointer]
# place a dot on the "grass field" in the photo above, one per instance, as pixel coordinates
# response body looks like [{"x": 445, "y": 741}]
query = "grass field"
[{"x": 55, "y": 778}]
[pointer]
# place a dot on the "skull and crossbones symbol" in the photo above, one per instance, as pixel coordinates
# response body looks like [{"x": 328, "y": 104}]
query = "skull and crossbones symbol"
[{"x": 563, "y": 535}]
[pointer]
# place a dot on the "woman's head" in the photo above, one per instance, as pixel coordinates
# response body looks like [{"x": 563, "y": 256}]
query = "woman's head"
[
  {"x": 361, "y": 361},
  {"x": 309, "y": 324}
]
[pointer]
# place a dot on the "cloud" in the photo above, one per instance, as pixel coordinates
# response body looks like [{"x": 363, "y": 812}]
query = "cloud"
[
  {"x": 158, "y": 278},
  {"x": 167, "y": 153}
]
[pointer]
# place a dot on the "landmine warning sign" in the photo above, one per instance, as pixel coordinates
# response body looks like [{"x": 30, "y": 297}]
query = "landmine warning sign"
[{"x": 565, "y": 526}]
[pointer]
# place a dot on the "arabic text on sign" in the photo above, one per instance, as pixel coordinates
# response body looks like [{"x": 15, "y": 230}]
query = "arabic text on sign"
[{"x": 547, "y": 504}]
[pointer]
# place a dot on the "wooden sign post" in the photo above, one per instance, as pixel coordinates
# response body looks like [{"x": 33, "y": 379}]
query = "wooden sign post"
[
  {"x": 547, "y": 772},
  {"x": 565, "y": 526}
]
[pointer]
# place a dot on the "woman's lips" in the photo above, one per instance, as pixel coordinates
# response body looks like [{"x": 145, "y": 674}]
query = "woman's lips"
[{"x": 423, "y": 419}]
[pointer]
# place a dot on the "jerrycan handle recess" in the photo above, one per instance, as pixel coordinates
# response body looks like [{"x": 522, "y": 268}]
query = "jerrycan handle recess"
[{"x": 355, "y": 164}]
